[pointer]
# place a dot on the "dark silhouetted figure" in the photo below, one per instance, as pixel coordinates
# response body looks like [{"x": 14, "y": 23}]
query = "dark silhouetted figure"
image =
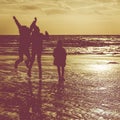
[
  {"x": 24, "y": 43},
  {"x": 60, "y": 59},
  {"x": 37, "y": 41}
]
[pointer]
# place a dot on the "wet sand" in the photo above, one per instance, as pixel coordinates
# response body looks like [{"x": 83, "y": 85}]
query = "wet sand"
[{"x": 91, "y": 90}]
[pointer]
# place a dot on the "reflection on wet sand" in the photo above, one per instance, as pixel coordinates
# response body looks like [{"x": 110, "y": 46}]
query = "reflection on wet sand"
[
  {"x": 30, "y": 104},
  {"x": 30, "y": 108},
  {"x": 58, "y": 100},
  {"x": 52, "y": 100},
  {"x": 86, "y": 93}
]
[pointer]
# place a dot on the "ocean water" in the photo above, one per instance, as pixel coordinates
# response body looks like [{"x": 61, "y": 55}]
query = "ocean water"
[
  {"x": 74, "y": 44},
  {"x": 91, "y": 90}
]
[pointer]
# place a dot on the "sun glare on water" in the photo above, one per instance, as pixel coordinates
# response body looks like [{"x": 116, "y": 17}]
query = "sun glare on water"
[{"x": 100, "y": 67}]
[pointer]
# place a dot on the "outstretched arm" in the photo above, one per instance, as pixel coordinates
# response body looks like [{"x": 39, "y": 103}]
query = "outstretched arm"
[
  {"x": 33, "y": 24},
  {"x": 17, "y": 22}
]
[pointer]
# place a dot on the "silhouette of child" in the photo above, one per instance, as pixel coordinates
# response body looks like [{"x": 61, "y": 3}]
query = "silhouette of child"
[
  {"x": 24, "y": 43},
  {"x": 36, "y": 40},
  {"x": 60, "y": 59}
]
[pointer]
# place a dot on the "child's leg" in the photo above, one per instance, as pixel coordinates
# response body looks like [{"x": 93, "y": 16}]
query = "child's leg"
[
  {"x": 39, "y": 65},
  {"x": 63, "y": 72},
  {"x": 31, "y": 64},
  {"x": 20, "y": 59},
  {"x": 27, "y": 62},
  {"x": 59, "y": 75}
]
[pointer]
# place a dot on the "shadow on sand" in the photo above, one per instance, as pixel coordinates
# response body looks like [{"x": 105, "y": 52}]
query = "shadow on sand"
[{"x": 33, "y": 101}]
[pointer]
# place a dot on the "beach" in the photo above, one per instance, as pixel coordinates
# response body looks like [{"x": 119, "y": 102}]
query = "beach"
[
  {"x": 90, "y": 90},
  {"x": 83, "y": 36}
]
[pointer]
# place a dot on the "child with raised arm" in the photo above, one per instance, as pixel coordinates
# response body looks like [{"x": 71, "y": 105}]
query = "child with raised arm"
[
  {"x": 37, "y": 41},
  {"x": 24, "y": 41},
  {"x": 60, "y": 59}
]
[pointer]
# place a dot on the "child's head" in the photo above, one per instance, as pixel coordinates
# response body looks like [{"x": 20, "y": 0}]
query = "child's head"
[{"x": 59, "y": 44}]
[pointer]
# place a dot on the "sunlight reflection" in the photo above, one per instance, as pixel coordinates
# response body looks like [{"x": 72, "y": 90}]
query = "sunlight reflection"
[
  {"x": 102, "y": 88},
  {"x": 100, "y": 67},
  {"x": 98, "y": 111}
]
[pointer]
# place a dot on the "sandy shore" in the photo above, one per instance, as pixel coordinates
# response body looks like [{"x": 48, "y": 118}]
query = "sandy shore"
[{"x": 91, "y": 90}]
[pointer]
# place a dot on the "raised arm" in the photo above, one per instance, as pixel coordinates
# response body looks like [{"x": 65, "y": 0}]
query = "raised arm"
[
  {"x": 17, "y": 22},
  {"x": 33, "y": 24}
]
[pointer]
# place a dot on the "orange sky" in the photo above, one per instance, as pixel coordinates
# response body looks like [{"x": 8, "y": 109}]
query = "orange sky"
[{"x": 62, "y": 16}]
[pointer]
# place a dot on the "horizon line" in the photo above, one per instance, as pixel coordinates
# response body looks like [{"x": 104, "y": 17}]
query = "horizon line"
[{"x": 67, "y": 34}]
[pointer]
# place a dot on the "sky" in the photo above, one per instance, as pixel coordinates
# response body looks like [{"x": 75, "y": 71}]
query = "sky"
[{"x": 62, "y": 16}]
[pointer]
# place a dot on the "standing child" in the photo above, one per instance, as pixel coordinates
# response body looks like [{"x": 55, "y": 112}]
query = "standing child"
[{"x": 60, "y": 59}]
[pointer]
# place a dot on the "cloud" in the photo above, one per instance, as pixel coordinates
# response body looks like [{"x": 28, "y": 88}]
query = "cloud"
[
  {"x": 55, "y": 11},
  {"x": 52, "y": 7},
  {"x": 98, "y": 7},
  {"x": 19, "y": 6},
  {"x": 29, "y": 7},
  {"x": 10, "y": 1}
]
